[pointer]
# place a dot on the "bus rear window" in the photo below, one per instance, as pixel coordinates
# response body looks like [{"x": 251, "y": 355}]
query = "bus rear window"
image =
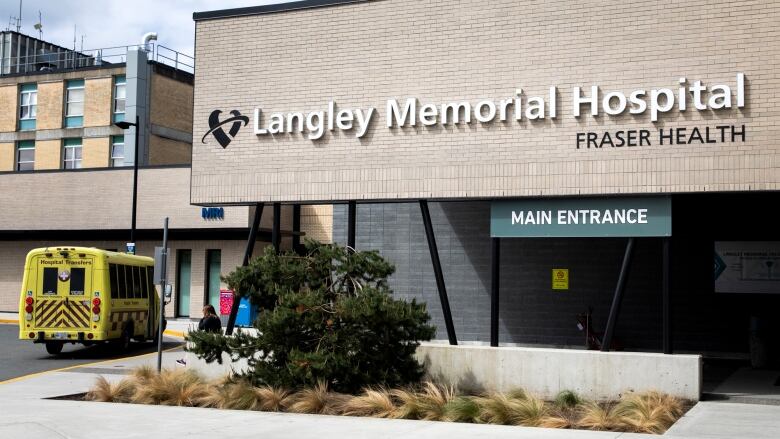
[
  {"x": 49, "y": 281},
  {"x": 77, "y": 281}
]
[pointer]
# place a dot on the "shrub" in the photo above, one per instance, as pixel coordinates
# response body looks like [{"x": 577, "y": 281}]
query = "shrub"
[{"x": 326, "y": 316}]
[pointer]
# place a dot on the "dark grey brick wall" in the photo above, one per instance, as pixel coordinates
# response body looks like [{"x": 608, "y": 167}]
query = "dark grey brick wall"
[{"x": 530, "y": 311}]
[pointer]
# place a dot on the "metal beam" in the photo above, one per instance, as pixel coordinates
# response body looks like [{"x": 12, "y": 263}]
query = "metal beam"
[
  {"x": 250, "y": 247},
  {"x": 296, "y": 238},
  {"x": 495, "y": 272},
  {"x": 445, "y": 303},
  {"x": 351, "y": 214},
  {"x": 276, "y": 232},
  {"x": 618, "y": 299},
  {"x": 667, "y": 299}
]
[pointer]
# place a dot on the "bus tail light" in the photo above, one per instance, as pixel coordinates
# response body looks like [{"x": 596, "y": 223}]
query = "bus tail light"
[
  {"x": 28, "y": 309},
  {"x": 96, "y": 301},
  {"x": 96, "y": 309},
  {"x": 32, "y": 335},
  {"x": 90, "y": 336},
  {"x": 28, "y": 300}
]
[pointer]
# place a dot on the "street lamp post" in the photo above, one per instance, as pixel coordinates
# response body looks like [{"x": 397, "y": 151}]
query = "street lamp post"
[{"x": 126, "y": 125}]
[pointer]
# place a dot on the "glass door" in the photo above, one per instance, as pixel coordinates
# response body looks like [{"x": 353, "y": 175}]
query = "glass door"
[
  {"x": 213, "y": 270},
  {"x": 183, "y": 281}
]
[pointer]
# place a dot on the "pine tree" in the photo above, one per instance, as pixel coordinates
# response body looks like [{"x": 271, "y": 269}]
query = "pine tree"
[{"x": 328, "y": 315}]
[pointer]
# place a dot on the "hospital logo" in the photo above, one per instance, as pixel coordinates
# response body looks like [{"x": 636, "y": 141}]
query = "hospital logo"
[
  {"x": 64, "y": 275},
  {"x": 215, "y": 127}
]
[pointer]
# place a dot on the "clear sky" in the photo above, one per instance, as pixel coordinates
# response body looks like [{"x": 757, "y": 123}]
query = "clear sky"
[{"x": 109, "y": 23}]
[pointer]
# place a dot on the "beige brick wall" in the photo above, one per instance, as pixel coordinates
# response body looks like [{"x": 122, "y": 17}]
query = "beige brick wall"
[
  {"x": 7, "y": 156},
  {"x": 97, "y": 101},
  {"x": 442, "y": 51},
  {"x": 102, "y": 199},
  {"x": 95, "y": 152},
  {"x": 317, "y": 222},
  {"x": 50, "y": 102},
  {"x": 9, "y": 97},
  {"x": 48, "y": 154},
  {"x": 171, "y": 104},
  {"x": 13, "y": 253},
  {"x": 164, "y": 151}
]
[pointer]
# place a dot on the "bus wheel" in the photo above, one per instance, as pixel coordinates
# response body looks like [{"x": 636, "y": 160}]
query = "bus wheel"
[{"x": 54, "y": 347}]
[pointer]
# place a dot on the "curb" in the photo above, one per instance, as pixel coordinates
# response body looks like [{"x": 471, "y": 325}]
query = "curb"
[
  {"x": 8, "y": 322},
  {"x": 173, "y": 333}
]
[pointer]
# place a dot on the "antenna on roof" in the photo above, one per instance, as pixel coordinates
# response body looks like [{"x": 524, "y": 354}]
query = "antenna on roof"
[
  {"x": 19, "y": 20},
  {"x": 39, "y": 26}
]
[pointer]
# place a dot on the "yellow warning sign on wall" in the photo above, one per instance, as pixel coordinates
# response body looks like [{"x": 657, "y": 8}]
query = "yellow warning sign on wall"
[{"x": 560, "y": 279}]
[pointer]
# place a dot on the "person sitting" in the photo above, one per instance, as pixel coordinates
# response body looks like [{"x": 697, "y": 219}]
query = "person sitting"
[{"x": 210, "y": 321}]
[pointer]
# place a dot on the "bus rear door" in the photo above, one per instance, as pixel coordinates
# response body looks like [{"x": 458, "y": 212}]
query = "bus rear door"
[{"x": 63, "y": 300}]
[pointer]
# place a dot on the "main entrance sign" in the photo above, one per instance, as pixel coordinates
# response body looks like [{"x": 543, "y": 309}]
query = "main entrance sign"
[{"x": 582, "y": 217}]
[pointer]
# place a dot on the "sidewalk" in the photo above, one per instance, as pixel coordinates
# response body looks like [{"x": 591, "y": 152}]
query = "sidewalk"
[{"x": 25, "y": 413}]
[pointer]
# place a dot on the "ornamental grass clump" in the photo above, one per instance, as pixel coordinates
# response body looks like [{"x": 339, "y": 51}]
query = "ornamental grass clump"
[
  {"x": 462, "y": 409},
  {"x": 107, "y": 391},
  {"x": 377, "y": 403},
  {"x": 174, "y": 387},
  {"x": 325, "y": 316},
  {"x": 648, "y": 412},
  {"x": 318, "y": 400}
]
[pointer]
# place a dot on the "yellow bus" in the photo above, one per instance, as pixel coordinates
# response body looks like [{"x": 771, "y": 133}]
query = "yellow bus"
[{"x": 89, "y": 296}]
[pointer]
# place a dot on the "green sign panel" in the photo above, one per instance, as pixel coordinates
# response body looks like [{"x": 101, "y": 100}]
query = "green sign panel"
[{"x": 582, "y": 217}]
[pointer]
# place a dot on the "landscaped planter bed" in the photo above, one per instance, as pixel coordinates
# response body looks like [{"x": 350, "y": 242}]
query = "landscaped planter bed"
[{"x": 643, "y": 412}]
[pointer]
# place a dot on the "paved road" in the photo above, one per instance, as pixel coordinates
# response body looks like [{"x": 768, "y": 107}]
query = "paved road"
[{"x": 18, "y": 357}]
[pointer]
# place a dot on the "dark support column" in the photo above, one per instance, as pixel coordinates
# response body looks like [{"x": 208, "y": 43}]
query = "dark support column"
[
  {"x": 667, "y": 305},
  {"x": 296, "y": 238},
  {"x": 617, "y": 300},
  {"x": 276, "y": 232},
  {"x": 445, "y": 303},
  {"x": 351, "y": 214},
  {"x": 495, "y": 272},
  {"x": 250, "y": 247}
]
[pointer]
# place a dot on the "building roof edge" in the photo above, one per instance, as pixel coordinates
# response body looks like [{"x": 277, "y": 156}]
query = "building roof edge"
[{"x": 270, "y": 9}]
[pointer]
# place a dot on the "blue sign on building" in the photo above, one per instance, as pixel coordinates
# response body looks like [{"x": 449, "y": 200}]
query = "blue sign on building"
[{"x": 212, "y": 213}]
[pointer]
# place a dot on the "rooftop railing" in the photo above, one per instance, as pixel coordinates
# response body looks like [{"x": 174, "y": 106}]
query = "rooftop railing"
[{"x": 63, "y": 60}]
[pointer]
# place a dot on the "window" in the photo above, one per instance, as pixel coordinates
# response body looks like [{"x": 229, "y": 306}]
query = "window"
[
  {"x": 28, "y": 106},
  {"x": 144, "y": 284},
  {"x": 74, "y": 103},
  {"x": 119, "y": 98},
  {"x": 137, "y": 283},
  {"x": 213, "y": 269},
  {"x": 112, "y": 278},
  {"x": 76, "y": 281},
  {"x": 25, "y": 155},
  {"x": 120, "y": 280},
  {"x": 117, "y": 151},
  {"x": 150, "y": 281},
  {"x": 72, "y": 154},
  {"x": 49, "y": 281}
]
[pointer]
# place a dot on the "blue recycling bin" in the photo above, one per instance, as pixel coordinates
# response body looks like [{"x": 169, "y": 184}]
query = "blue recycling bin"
[{"x": 246, "y": 313}]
